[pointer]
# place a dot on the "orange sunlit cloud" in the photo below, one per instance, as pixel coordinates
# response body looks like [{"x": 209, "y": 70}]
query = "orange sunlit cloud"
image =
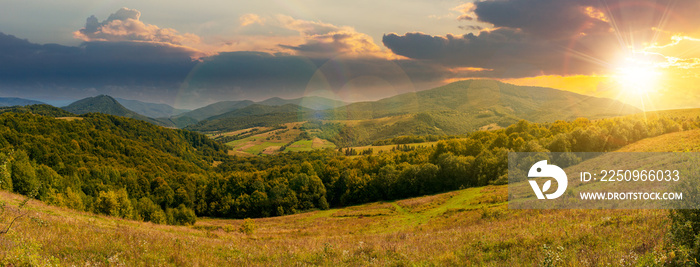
[
  {"x": 248, "y": 19},
  {"x": 312, "y": 39}
]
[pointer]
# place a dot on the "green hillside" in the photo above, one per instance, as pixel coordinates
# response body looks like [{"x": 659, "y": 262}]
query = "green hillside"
[
  {"x": 105, "y": 164},
  {"x": 106, "y": 105}
]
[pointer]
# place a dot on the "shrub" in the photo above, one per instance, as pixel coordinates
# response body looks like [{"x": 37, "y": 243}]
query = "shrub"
[
  {"x": 180, "y": 216},
  {"x": 248, "y": 227}
]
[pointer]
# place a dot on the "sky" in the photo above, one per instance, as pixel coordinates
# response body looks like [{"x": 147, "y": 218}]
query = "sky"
[{"x": 189, "y": 54}]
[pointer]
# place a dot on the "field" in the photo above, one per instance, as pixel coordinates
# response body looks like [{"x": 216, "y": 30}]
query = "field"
[
  {"x": 466, "y": 227},
  {"x": 269, "y": 141},
  {"x": 69, "y": 118}
]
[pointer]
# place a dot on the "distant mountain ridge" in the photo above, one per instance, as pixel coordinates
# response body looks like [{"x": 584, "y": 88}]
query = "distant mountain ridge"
[
  {"x": 152, "y": 110},
  {"x": 218, "y": 109},
  {"x": 107, "y": 105},
  {"x": 166, "y": 115},
  {"x": 255, "y": 115},
  {"x": 260, "y": 109},
  {"x": 311, "y": 102},
  {"x": 14, "y": 101}
]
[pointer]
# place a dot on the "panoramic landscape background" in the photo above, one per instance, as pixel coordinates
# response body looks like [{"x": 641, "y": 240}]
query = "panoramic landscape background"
[{"x": 309, "y": 132}]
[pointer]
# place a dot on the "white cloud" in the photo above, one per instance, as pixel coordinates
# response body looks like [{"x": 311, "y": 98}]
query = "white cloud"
[{"x": 125, "y": 25}]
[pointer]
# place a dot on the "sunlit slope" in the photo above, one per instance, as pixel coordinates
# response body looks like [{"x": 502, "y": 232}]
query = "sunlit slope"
[{"x": 686, "y": 141}]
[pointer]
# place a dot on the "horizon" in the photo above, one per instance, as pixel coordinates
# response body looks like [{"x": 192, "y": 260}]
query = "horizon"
[{"x": 69, "y": 102}]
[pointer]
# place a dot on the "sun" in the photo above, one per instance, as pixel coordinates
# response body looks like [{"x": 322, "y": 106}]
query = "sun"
[{"x": 637, "y": 77}]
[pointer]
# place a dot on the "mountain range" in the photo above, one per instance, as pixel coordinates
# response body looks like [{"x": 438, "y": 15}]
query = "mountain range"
[
  {"x": 456, "y": 108},
  {"x": 151, "y": 110},
  {"x": 453, "y": 109},
  {"x": 14, "y": 101}
]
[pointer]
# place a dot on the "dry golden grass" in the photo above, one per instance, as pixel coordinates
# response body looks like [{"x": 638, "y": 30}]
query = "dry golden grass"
[
  {"x": 444, "y": 229},
  {"x": 685, "y": 141},
  {"x": 423, "y": 203}
]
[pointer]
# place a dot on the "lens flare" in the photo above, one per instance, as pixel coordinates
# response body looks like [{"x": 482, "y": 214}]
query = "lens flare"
[{"x": 637, "y": 77}]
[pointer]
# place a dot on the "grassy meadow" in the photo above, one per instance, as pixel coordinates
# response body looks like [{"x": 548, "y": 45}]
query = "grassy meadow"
[
  {"x": 269, "y": 141},
  {"x": 466, "y": 227}
]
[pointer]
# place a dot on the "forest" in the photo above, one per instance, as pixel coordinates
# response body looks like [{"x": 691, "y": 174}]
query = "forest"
[{"x": 132, "y": 169}]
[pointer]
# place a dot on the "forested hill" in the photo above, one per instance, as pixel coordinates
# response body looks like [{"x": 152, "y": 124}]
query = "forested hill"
[
  {"x": 83, "y": 162},
  {"x": 107, "y": 105},
  {"x": 39, "y": 109}
]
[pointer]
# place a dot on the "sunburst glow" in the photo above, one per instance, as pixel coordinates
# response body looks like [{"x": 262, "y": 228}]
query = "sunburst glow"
[{"x": 637, "y": 77}]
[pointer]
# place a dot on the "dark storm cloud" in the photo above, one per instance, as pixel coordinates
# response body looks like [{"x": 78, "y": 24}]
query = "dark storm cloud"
[
  {"x": 507, "y": 52},
  {"x": 159, "y": 72},
  {"x": 552, "y": 37},
  {"x": 554, "y": 19},
  {"x": 551, "y": 19},
  {"x": 92, "y": 64},
  {"x": 257, "y": 75},
  {"x": 252, "y": 70}
]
